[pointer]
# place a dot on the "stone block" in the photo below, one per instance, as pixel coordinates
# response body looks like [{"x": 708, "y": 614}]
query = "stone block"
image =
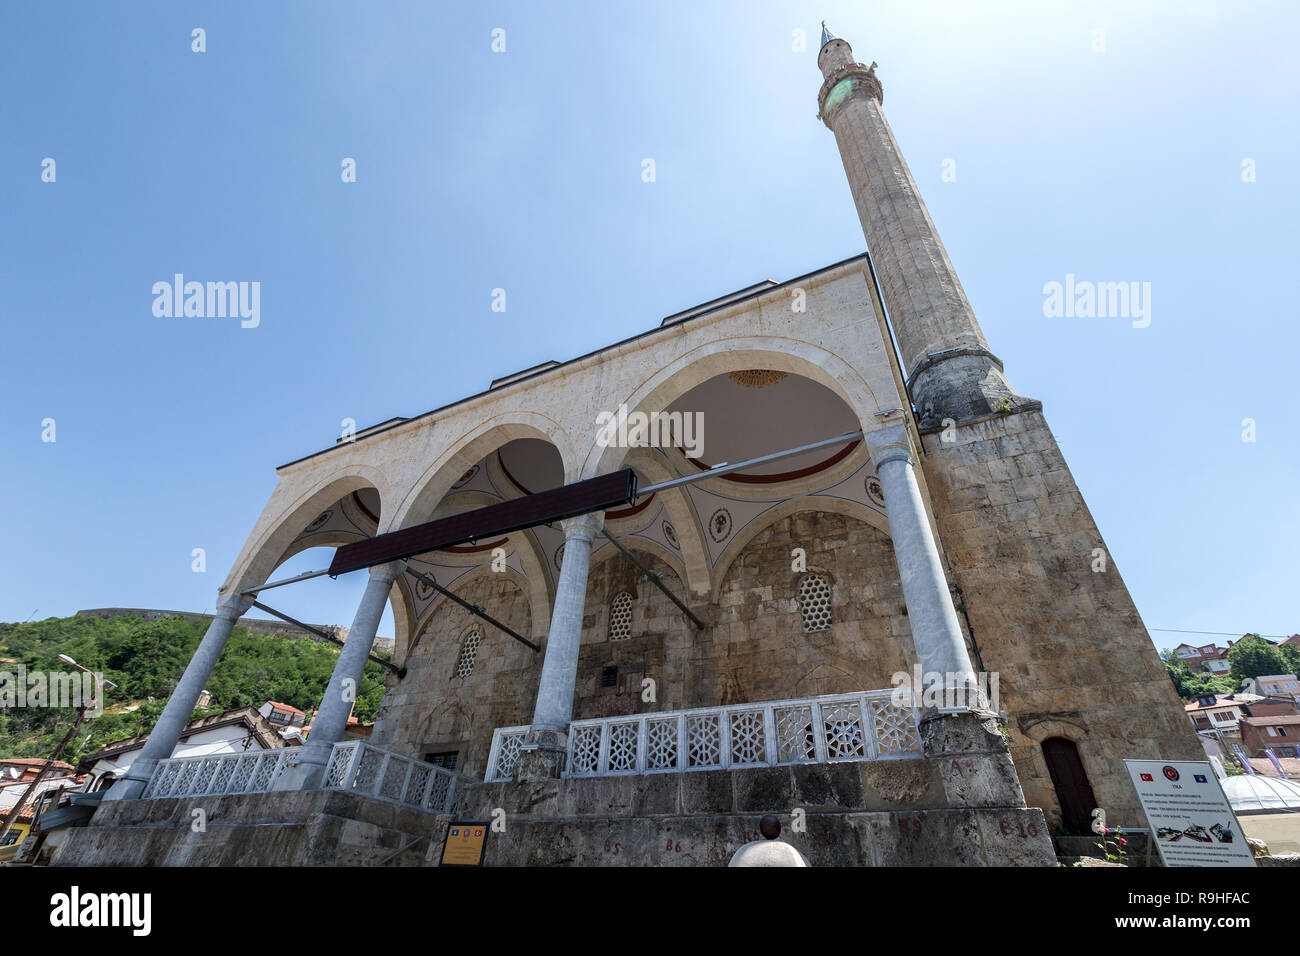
[
  {"x": 763, "y": 790},
  {"x": 706, "y": 791}
]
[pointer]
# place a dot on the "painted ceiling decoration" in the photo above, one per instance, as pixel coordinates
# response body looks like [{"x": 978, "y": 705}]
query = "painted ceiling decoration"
[
  {"x": 742, "y": 478},
  {"x": 757, "y": 377}
]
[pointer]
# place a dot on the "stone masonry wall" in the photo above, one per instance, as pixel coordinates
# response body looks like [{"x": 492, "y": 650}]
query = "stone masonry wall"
[
  {"x": 1073, "y": 656},
  {"x": 286, "y": 828},
  {"x": 881, "y": 813},
  {"x": 754, "y": 648},
  {"x": 431, "y": 710}
]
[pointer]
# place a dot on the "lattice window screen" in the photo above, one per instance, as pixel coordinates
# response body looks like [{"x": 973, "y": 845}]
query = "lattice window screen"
[
  {"x": 815, "y": 603},
  {"x": 620, "y": 617},
  {"x": 468, "y": 654}
]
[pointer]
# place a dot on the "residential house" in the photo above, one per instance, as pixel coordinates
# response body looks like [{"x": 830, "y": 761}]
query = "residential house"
[
  {"x": 1273, "y": 685},
  {"x": 1280, "y": 734},
  {"x": 233, "y": 731},
  {"x": 1218, "y": 713}
]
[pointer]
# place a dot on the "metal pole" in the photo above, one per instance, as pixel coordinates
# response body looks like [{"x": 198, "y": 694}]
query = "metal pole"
[
  {"x": 749, "y": 463},
  {"x": 473, "y": 609},
  {"x": 13, "y": 814},
  {"x": 654, "y": 579},
  {"x": 399, "y": 671},
  {"x": 281, "y": 583}
]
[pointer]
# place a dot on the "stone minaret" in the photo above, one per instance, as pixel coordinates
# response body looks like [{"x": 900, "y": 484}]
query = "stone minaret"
[{"x": 947, "y": 363}]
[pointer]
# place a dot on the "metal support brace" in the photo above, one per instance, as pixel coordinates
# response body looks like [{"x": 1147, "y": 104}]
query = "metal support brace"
[
  {"x": 325, "y": 635},
  {"x": 472, "y": 608},
  {"x": 281, "y": 583},
  {"x": 749, "y": 463},
  {"x": 654, "y": 579}
]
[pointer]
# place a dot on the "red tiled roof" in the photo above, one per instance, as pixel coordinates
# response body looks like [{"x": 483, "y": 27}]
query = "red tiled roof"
[
  {"x": 1220, "y": 700},
  {"x": 279, "y": 706},
  {"x": 33, "y": 762},
  {"x": 1272, "y": 721}
]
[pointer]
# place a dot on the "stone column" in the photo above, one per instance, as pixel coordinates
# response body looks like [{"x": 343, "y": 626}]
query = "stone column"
[
  {"x": 957, "y": 727},
  {"x": 544, "y": 746},
  {"x": 936, "y": 635},
  {"x": 332, "y": 718},
  {"x": 166, "y": 733}
]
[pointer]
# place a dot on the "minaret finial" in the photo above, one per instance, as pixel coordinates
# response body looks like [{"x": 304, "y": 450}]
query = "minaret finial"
[{"x": 827, "y": 36}]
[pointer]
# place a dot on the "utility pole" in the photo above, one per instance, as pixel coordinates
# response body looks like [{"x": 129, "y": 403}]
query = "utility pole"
[
  {"x": 100, "y": 686},
  {"x": 27, "y": 795}
]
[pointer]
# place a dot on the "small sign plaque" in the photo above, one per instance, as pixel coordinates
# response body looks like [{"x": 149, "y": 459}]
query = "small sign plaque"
[
  {"x": 464, "y": 844},
  {"x": 1190, "y": 818}
]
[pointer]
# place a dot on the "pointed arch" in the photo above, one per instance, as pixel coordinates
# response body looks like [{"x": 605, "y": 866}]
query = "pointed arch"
[
  {"x": 793, "y": 506},
  {"x": 719, "y": 356}
]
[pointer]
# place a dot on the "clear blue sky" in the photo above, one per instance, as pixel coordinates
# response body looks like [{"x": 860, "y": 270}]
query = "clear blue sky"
[{"x": 522, "y": 170}]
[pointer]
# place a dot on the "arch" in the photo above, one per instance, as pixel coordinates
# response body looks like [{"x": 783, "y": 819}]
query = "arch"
[
  {"x": 509, "y": 574},
  {"x": 729, "y": 355},
  {"x": 646, "y": 546},
  {"x": 428, "y": 491},
  {"x": 538, "y": 583},
  {"x": 325, "y": 539},
  {"x": 694, "y": 556},
  {"x": 792, "y": 506},
  {"x": 269, "y": 549}
]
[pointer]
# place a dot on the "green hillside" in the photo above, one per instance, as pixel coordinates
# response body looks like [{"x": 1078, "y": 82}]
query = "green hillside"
[{"x": 145, "y": 659}]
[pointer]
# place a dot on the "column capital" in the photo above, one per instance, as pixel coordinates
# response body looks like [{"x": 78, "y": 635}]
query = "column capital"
[
  {"x": 891, "y": 443},
  {"x": 388, "y": 572},
  {"x": 584, "y": 527},
  {"x": 233, "y": 606}
]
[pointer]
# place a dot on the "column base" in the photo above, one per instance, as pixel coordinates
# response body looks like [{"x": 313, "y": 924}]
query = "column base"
[
  {"x": 131, "y": 786},
  {"x": 543, "y": 755},
  {"x": 306, "y": 771},
  {"x": 973, "y": 757}
]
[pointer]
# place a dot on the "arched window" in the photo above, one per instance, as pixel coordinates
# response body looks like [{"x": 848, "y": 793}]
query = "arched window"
[
  {"x": 468, "y": 654},
  {"x": 620, "y": 617},
  {"x": 815, "y": 603}
]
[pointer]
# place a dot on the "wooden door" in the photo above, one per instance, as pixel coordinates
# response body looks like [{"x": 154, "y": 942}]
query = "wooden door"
[{"x": 1073, "y": 792}]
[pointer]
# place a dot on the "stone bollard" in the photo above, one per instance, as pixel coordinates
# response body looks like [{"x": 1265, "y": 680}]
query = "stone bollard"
[{"x": 769, "y": 851}]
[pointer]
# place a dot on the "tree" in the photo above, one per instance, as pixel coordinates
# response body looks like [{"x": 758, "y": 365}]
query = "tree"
[
  {"x": 1252, "y": 656},
  {"x": 1191, "y": 684},
  {"x": 1290, "y": 658}
]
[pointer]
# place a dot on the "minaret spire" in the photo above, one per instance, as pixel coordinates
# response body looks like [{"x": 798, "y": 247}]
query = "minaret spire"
[{"x": 946, "y": 361}]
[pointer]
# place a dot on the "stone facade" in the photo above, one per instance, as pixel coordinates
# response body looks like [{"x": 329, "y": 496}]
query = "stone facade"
[
  {"x": 1072, "y": 655},
  {"x": 893, "y": 813},
  {"x": 292, "y": 828},
  {"x": 432, "y": 709},
  {"x": 754, "y": 647}
]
